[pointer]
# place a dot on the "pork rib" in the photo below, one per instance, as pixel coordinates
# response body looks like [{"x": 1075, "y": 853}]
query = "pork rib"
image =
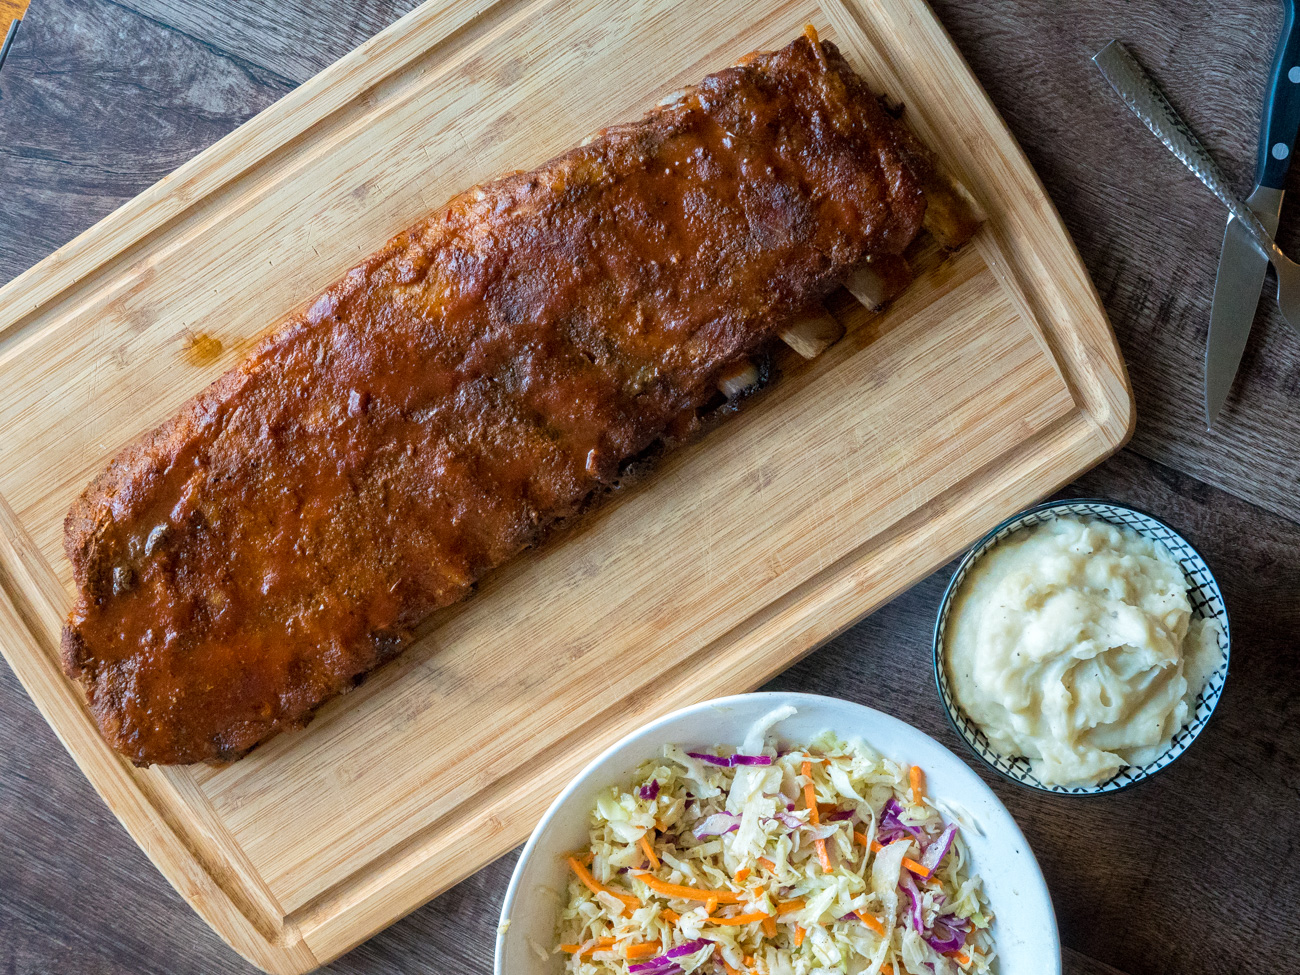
[{"x": 486, "y": 374}]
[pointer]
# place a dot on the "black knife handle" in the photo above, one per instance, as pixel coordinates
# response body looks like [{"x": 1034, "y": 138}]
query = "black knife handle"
[{"x": 1282, "y": 106}]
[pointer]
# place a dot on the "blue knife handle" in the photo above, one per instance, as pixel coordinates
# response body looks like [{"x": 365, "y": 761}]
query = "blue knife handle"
[{"x": 1282, "y": 106}]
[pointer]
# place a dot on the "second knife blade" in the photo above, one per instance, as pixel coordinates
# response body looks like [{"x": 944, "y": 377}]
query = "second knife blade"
[{"x": 1237, "y": 288}]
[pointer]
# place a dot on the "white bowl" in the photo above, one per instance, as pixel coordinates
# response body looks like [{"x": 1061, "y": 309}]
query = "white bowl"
[{"x": 1024, "y": 928}]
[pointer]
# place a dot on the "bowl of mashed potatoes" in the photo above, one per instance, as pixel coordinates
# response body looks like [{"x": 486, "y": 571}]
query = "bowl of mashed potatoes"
[{"x": 1081, "y": 647}]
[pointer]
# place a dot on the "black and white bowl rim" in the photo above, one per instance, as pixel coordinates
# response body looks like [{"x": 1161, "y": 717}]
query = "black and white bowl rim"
[{"x": 1206, "y": 600}]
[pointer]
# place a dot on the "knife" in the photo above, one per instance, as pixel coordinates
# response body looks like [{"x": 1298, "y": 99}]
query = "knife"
[{"x": 1241, "y": 265}]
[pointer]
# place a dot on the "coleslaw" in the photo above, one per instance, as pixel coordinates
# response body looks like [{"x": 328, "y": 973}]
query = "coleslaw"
[{"x": 799, "y": 861}]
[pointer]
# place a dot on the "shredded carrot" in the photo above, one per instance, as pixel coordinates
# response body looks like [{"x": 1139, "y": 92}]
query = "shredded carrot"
[
  {"x": 647, "y": 950},
  {"x": 962, "y": 958},
  {"x": 749, "y": 959},
  {"x": 648, "y": 849},
  {"x": 590, "y": 949},
  {"x": 682, "y": 892},
  {"x": 799, "y": 935},
  {"x": 740, "y": 918},
  {"x": 785, "y": 907},
  {"x": 727, "y": 968},
  {"x": 916, "y": 868},
  {"x": 765, "y": 862},
  {"x": 886, "y": 969},
  {"x": 769, "y": 926},
  {"x": 872, "y": 923},
  {"x": 810, "y": 800},
  {"x": 823, "y": 856},
  {"x": 710, "y": 905},
  {"x": 920, "y": 870},
  {"x": 741, "y": 875},
  {"x": 596, "y": 886},
  {"x": 810, "y": 794},
  {"x": 669, "y": 915},
  {"x": 917, "y": 778}
]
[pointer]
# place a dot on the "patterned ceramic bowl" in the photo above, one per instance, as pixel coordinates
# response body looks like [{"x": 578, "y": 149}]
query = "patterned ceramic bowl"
[{"x": 1206, "y": 600}]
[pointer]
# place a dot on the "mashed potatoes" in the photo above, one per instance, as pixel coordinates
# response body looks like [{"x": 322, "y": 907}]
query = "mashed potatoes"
[{"x": 1072, "y": 643}]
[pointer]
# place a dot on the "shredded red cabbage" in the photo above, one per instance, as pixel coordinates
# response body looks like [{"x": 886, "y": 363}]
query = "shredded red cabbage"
[
  {"x": 948, "y": 933},
  {"x": 649, "y": 792},
  {"x": 936, "y": 851},
  {"x": 893, "y": 828},
  {"x": 788, "y": 820},
  {"x": 664, "y": 964},
  {"x": 711, "y": 759},
  {"x": 914, "y": 895},
  {"x": 690, "y": 948},
  {"x": 656, "y": 967},
  {"x": 731, "y": 761},
  {"x": 716, "y": 825}
]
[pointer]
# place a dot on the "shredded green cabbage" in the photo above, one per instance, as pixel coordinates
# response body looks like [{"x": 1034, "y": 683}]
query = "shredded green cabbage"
[{"x": 772, "y": 847}]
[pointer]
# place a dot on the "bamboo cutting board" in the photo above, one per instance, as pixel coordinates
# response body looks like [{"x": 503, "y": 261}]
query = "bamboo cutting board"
[{"x": 994, "y": 379}]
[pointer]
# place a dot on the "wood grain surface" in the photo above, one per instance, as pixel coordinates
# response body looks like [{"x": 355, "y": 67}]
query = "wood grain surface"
[{"x": 1188, "y": 874}]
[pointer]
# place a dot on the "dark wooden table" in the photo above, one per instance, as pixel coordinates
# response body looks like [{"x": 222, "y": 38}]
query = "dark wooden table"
[{"x": 1196, "y": 872}]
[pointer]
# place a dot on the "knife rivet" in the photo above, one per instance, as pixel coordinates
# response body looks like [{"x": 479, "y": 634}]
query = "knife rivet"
[
  {"x": 1294, "y": 75},
  {"x": 1280, "y": 150}
]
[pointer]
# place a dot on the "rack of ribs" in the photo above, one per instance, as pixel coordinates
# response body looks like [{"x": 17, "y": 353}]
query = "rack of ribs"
[{"x": 488, "y": 374}]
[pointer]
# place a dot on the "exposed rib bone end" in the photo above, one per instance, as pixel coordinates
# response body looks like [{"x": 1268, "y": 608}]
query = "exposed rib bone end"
[
  {"x": 879, "y": 280},
  {"x": 675, "y": 98},
  {"x": 738, "y": 379},
  {"x": 952, "y": 214},
  {"x": 813, "y": 333}
]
